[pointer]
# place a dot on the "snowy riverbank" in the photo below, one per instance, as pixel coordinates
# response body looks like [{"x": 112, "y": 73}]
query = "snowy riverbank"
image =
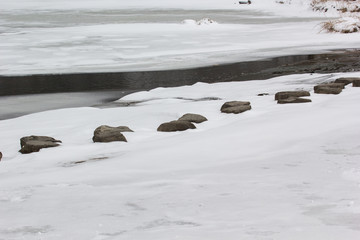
[{"x": 277, "y": 171}]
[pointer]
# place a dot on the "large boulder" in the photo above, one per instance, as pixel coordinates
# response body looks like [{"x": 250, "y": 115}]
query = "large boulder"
[
  {"x": 174, "y": 126},
  {"x": 356, "y": 83},
  {"x": 294, "y": 100},
  {"x": 329, "y": 88},
  {"x": 347, "y": 80},
  {"x": 107, "y": 134},
  {"x": 195, "y": 118},
  {"x": 31, "y": 144},
  {"x": 293, "y": 94},
  {"x": 235, "y": 107}
]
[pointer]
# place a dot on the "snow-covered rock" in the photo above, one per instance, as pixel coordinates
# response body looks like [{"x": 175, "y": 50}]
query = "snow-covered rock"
[
  {"x": 203, "y": 21},
  {"x": 189, "y": 22},
  {"x": 206, "y": 21}
]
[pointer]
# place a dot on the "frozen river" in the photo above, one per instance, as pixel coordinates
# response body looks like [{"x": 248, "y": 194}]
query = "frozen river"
[{"x": 38, "y": 37}]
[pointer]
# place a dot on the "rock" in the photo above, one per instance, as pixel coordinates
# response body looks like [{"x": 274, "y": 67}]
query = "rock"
[
  {"x": 330, "y": 85},
  {"x": 235, "y": 107},
  {"x": 293, "y": 100},
  {"x": 195, "y": 118},
  {"x": 106, "y": 134},
  {"x": 356, "y": 83},
  {"x": 329, "y": 88},
  {"x": 263, "y": 94},
  {"x": 0, "y": 156},
  {"x": 35, "y": 143},
  {"x": 24, "y": 140},
  {"x": 288, "y": 94},
  {"x": 346, "y": 80},
  {"x": 245, "y": 2},
  {"x": 174, "y": 126}
]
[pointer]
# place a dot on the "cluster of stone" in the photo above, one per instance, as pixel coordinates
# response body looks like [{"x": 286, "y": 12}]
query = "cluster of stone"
[
  {"x": 105, "y": 134},
  {"x": 335, "y": 87},
  {"x": 184, "y": 123},
  {"x": 347, "y": 81}
]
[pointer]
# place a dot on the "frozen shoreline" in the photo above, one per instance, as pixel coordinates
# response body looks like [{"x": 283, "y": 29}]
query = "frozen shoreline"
[{"x": 74, "y": 89}]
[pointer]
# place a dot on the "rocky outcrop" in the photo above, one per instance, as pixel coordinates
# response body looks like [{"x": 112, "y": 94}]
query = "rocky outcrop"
[
  {"x": 291, "y": 94},
  {"x": 31, "y": 144},
  {"x": 356, "y": 83},
  {"x": 106, "y": 134},
  {"x": 195, "y": 118},
  {"x": 293, "y": 100},
  {"x": 235, "y": 107},
  {"x": 174, "y": 126},
  {"x": 346, "y": 80},
  {"x": 329, "y": 88}
]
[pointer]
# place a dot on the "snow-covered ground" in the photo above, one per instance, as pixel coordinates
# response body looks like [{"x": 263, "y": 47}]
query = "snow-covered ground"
[
  {"x": 275, "y": 172},
  {"x": 38, "y": 36}
]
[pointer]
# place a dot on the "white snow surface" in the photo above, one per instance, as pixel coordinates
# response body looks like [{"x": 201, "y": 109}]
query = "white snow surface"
[
  {"x": 62, "y": 36},
  {"x": 275, "y": 172}
]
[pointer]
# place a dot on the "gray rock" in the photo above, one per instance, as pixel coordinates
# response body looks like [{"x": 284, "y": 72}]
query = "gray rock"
[
  {"x": 174, "y": 126},
  {"x": 0, "y": 156},
  {"x": 288, "y": 94},
  {"x": 35, "y": 143},
  {"x": 329, "y": 88},
  {"x": 330, "y": 85},
  {"x": 346, "y": 80},
  {"x": 195, "y": 118},
  {"x": 263, "y": 94},
  {"x": 106, "y": 134},
  {"x": 235, "y": 107},
  {"x": 356, "y": 83},
  {"x": 24, "y": 140},
  {"x": 294, "y": 100}
]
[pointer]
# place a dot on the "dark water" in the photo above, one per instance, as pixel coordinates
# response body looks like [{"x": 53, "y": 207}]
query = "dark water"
[
  {"x": 80, "y": 82},
  {"x": 20, "y": 95}
]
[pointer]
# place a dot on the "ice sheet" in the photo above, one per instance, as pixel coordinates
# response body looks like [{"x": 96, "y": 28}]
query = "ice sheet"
[{"x": 64, "y": 36}]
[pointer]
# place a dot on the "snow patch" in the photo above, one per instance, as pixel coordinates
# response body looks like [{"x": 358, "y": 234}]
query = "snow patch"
[{"x": 204, "y": 21}]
